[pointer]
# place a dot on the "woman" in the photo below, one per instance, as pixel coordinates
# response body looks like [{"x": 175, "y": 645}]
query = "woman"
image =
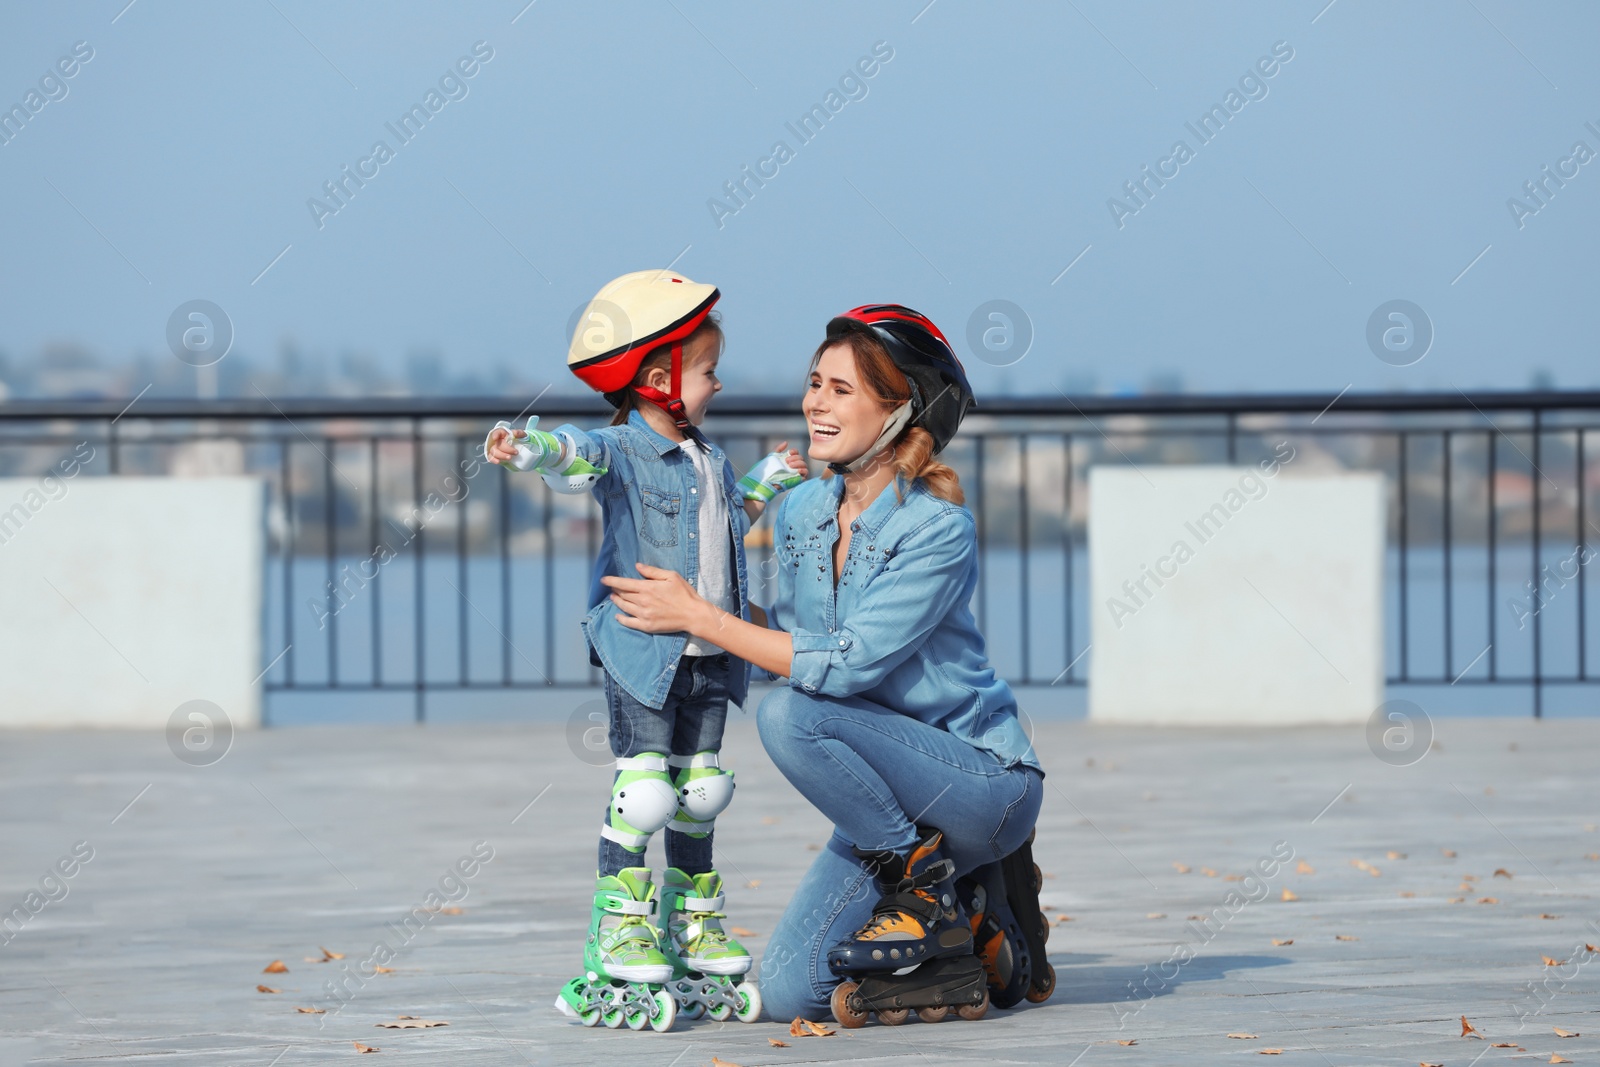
[{"x": 893, "y": 723}]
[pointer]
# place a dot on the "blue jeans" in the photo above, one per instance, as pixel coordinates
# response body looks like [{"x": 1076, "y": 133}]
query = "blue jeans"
[
  {"x": 877, "y": 774},
  {"x": 690, "y": 721}
]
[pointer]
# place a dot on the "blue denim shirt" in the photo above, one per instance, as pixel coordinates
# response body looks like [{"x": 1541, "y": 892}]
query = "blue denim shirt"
[
  {"x": 898, "y": 629},
  {"x": 648, "y": 502}
]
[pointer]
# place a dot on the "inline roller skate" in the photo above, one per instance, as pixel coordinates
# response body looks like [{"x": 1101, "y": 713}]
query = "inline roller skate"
[
  {"x": 708, "y": 966},
  {"x": 1009, "y": 930},
  {"x": 915, "y": 953},
  {"x": 625, "y": 970}
]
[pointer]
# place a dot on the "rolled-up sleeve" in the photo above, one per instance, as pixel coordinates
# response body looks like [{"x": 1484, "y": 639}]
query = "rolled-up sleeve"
[
  {"x": 593, "y": 446},
  {"x": 924, "y": 580}
]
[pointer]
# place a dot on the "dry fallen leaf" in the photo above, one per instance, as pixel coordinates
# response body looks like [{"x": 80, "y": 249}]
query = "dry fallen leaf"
[
  {"x": 1488, "y": 900},
  {"x": 1450, "y": 853},
  {"x": 382, "y": 970},
  {"x": 1233, "y": 878},
  {"x": 1457, "y": 900},
  {"x": 1501, "y": 872},
  {"x": 1244, "y": 1037},
  {"x": 1130, "y": 1041},
  {"x": 775, "y": 1043},
  {"x": 1590, "y": 948},
  {"x": 1304, "y": 868},
  {"x": 1289, "y": 895},
  {"x": 1469, "y": 878},
  {"x": 1547, "y": 915},
  {"x": 275, "y": 967},
  {"x": 1564, "y": 1033},
  {"x": 769, "y": 820},
  {"x": 806, "y": 1028},
  {"x": 715, "y": 1062},
  {"x": 1156, "y": 915},
  {"x": 1269, "y": 1051},
  {"x": 1396, "y": 855},
  {"x": 364, "y": 1048},
  {"x": 739, "y": 931},
  {"x": 1196, "y": 917},
  {"x": 1466, "y": 1027},
  {"x": 1208, "y": 872},
  {"x": 450, "y": 911},
  {"x": 1181, "y": 868},
  {"x": 312, "y": 1011},
  {"x": 813, "y": 848},
  {"x": 267, "y": 989},
  {"x": 410, "y": 1022},
  {"x": 754, "y": 883},
  {"x": 1591, "y": 855},
  {"x": 1363, "y": 865},
  {"x": 1550, "y": 961},
  {"x": 1345, "y": 937},
  {"x": 1063, "y": 919},
  {"x": 1407, "y": 893},
  {"x": 1505, "y": 1044},
  {"x": 1557, "y": 1058},
  {"x": 1425, "y": 1063},
  {"x": 1279, "y": 941}
]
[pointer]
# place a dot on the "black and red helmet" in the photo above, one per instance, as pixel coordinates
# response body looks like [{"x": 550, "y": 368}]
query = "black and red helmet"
[{"x": 940, "y": 394}]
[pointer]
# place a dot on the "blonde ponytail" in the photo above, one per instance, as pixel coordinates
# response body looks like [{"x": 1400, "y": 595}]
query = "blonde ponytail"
[{"x": 913, "y": 459}]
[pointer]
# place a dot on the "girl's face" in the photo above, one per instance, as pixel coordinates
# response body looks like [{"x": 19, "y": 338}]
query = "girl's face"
[
  {"x": 700, "y": 382},
  {"x": 843, "y": 418}
]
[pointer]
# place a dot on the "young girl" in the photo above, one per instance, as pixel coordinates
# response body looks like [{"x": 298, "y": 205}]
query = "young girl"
[{"x": 649, "y": 342}]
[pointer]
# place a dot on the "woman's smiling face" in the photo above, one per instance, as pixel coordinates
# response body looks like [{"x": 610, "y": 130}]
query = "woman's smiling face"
[{"x": 843, "y": 418}]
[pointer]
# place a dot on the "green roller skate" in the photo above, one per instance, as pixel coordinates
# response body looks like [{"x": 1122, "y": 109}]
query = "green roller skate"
[
  {"x": 708, "y": 966},
  {"x": 626, "y": 971}
]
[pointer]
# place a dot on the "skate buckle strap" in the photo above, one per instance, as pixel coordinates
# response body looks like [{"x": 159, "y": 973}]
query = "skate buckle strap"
[
  {"x": 705, "y": 903},
  {"x": 624, "y": 906},
  {"x": 622, "y": 837},
  {"x": 641, "y": 763},
  {"x": 699, "y": 759}
]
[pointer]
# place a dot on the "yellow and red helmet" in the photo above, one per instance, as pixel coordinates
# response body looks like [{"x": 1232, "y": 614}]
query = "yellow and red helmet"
[{"x": 631, "y": 317}]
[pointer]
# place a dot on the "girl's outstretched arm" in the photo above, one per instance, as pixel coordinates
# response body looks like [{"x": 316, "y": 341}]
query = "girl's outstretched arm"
[{"x": 662, "y": 602}]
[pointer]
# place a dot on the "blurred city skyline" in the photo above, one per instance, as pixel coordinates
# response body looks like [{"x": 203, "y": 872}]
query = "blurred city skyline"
[{"x": 1336, "y": 157}]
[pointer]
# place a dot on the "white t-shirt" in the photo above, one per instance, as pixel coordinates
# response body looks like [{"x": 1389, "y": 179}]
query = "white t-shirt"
[{"x": 715, "y": 580}]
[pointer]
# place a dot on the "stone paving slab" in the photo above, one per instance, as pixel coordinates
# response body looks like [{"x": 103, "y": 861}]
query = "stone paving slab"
[{"x": 330, "y": 836}]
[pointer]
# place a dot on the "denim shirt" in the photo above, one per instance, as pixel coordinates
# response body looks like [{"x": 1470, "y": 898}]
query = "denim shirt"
[
  {"x": 648, "y": 503},
  {"x": 898, "y": 630}
]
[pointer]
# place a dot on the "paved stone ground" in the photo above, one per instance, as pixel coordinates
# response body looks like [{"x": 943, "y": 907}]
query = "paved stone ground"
[{"x": 310, "y": 837}]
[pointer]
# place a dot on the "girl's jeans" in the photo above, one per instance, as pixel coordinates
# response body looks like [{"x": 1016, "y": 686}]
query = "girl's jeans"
[
  {"x": 878, "y": 775},
  {"x": 690, "y": 721}
]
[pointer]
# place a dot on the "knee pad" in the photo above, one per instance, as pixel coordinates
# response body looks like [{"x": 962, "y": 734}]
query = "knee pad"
[
  {"x": 643, "y": 801},
  {"x": 704, "y": 790}
]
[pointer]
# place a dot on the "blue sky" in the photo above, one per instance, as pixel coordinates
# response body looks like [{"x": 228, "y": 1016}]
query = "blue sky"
[{"x": 977, "y": 163}]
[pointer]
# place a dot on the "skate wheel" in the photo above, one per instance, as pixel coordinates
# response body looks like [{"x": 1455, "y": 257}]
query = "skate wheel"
[
  {"x": 933, "y": 1015},
  {"x": 1038, "y": 880},
  {"x": 1044, "y": 930},
  {"x": 749, "y": 1009},
  {"x": 974, "y": 1012},
  {"x": 1041, "y": 990},
  {"x": 692, "y": 1011},
  {"x": 844, "y": 1012},
  {"x": 665, "y": 1011},
  {"x": 893, "y": 1016},
  {"x": 720, "y": 1012}
]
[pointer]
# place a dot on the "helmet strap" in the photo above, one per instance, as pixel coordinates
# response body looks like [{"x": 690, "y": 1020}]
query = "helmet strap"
[
  {"x": 672, "y": 403},
  {"x": 895, "y": 423}
]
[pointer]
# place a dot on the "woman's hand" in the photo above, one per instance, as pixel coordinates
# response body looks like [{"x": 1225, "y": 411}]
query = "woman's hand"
[{"x": 661, "y": 602}]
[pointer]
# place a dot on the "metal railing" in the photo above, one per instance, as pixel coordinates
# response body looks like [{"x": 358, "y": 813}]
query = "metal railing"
[{"x": 400, "y": 563}]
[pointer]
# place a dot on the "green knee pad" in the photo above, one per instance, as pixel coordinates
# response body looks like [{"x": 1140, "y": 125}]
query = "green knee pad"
[{"x": 643, "y": 800}]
